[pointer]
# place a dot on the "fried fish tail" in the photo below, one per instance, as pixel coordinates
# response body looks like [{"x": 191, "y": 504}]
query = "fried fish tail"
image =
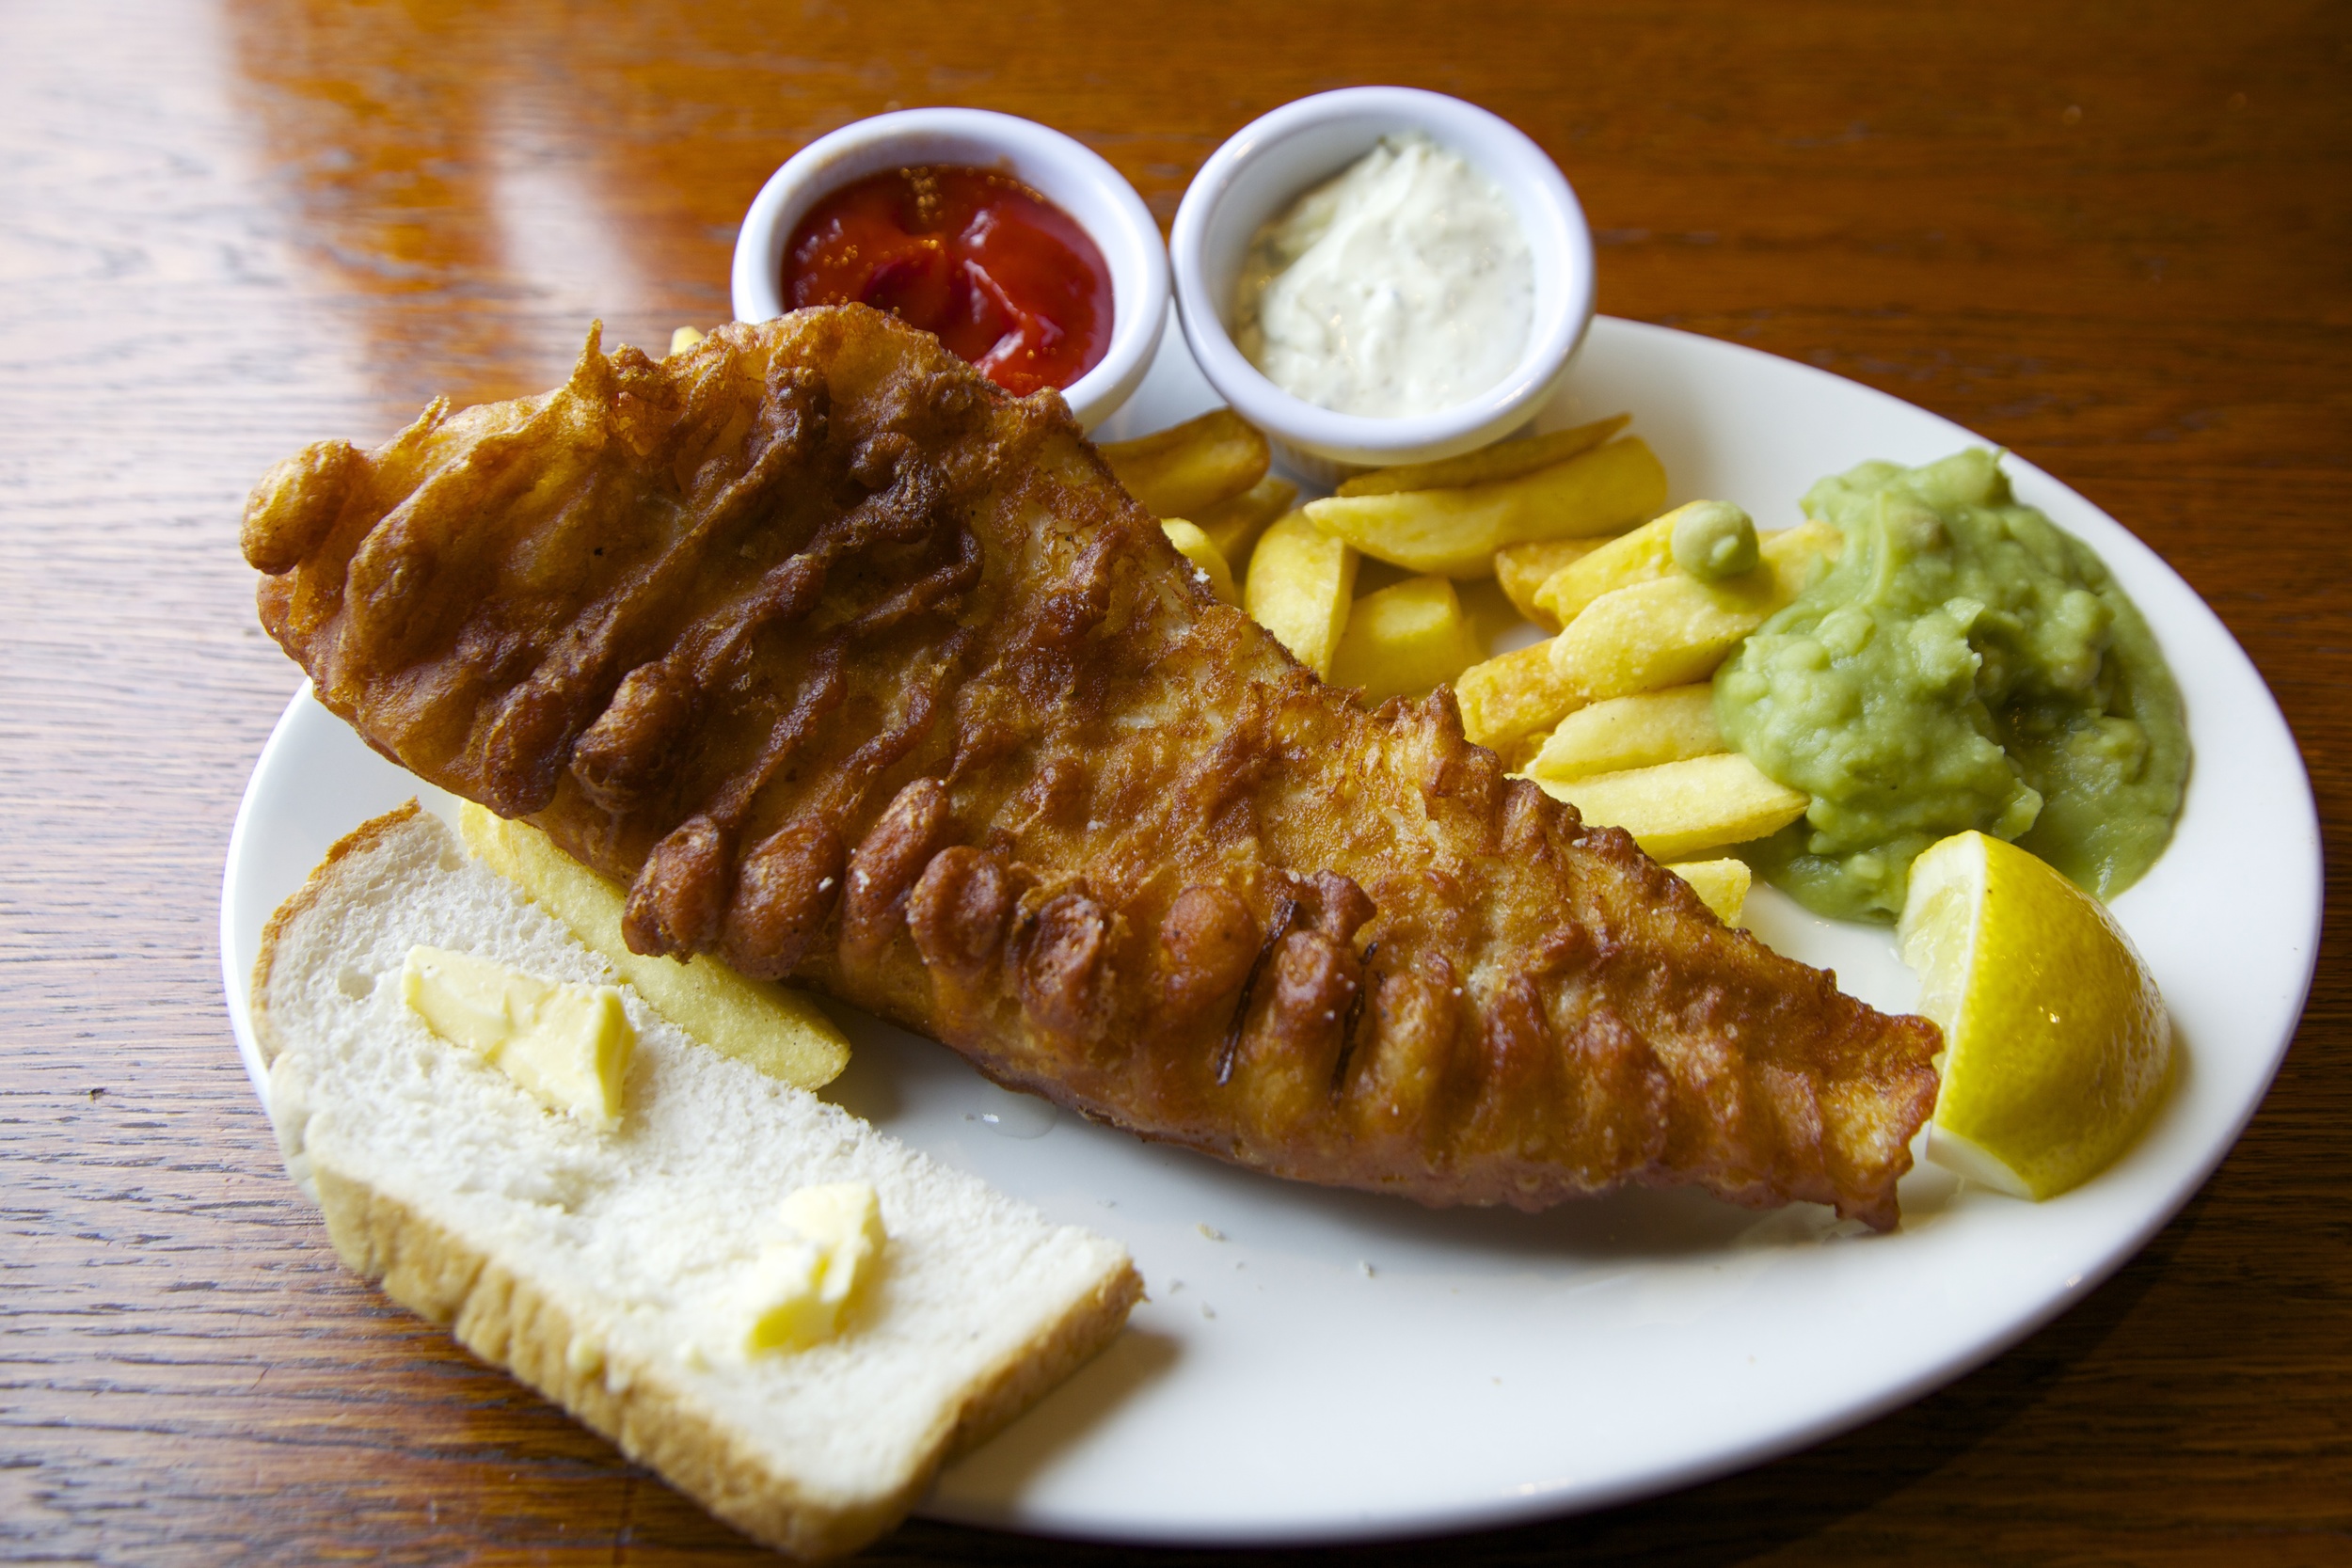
[{"x": 864, "y": 675}]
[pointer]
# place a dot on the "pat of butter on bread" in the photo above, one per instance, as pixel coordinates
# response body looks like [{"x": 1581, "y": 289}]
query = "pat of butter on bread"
[
  {"x": 599, "y": 1265},
  {"x": 566, "y": 1045},
  {"x": 805, "y": 1283}
]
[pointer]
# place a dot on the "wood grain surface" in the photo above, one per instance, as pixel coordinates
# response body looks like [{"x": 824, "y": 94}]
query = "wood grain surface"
[{"x": 2116, "y": 238}]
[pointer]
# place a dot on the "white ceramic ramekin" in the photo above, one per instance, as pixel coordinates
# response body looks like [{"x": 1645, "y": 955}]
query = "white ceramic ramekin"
[
  {"x": 1065, "y": 172},
  {"x": 1273, "y": 161}
]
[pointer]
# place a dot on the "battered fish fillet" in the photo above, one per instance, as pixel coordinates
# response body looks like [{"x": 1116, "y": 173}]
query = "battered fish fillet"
[{"x": 863, "y": 674}]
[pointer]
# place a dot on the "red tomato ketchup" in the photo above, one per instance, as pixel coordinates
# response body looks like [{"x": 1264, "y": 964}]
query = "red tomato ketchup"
[{"x": 1008, "y": 280}]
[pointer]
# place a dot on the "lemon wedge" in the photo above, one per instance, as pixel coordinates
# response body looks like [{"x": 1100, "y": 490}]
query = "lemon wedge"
[{"x": 2056, "y": 1040}]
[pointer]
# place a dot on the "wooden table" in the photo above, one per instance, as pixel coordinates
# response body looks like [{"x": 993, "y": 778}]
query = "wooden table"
[{"x": 2114, "y": 238}]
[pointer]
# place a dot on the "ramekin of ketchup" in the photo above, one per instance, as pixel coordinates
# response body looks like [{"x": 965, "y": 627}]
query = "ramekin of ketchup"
[
  {"x": 1024, "y": 251},
  {"x": 1008, "y": 280}
]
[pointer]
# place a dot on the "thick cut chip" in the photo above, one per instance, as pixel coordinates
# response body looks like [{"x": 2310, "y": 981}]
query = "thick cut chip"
[
  {"x": 1404, "y": 640},
  {"x": 774, "y": 1028},
  {"x": 1523, "y": 569},
  {"x": 1207, "y": 560},
  {"x": 1301, "y": 581},
  {"x": 1456, "y": 534},
  {"x": 861, "y": 672},
  {"x": 1189, "y": 469},
  {"x": 1722, "y": 885},
  {"x": 1641, "y": 555},
  {"x": 1513, "y": 696},
  {"x": 1679, "y": 808},
  {"x": 1676, "y": 629},
  {"x": 1632, "y": 732},
  {"x": 1487, "y": 465}
]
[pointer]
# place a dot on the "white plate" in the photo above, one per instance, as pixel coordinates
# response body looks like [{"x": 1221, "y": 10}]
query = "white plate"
[{"x": 1325, "y": 1366}]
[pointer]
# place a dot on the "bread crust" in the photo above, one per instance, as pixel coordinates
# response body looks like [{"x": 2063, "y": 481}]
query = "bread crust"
[{"x": 510, "y": 1322}]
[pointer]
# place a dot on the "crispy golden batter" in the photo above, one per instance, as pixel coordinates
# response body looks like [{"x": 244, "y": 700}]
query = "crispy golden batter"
[{"x": 862, "y": 672}]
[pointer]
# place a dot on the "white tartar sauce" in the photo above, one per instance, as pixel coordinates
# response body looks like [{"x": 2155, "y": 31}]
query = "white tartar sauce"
[{"x": 1403, "y": 286}]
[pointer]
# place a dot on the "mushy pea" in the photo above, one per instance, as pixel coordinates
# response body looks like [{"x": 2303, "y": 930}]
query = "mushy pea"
[{"x": 1964, "y": 664}]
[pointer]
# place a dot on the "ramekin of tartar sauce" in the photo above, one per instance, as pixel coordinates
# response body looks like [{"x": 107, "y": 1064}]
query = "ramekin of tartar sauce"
[
  {"x": 1381, "y": 276},
  {"x": 1031, "y": 161}
]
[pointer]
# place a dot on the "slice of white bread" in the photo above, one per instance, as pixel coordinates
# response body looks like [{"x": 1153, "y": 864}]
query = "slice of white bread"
[{"x": 601, "y": 1267}]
